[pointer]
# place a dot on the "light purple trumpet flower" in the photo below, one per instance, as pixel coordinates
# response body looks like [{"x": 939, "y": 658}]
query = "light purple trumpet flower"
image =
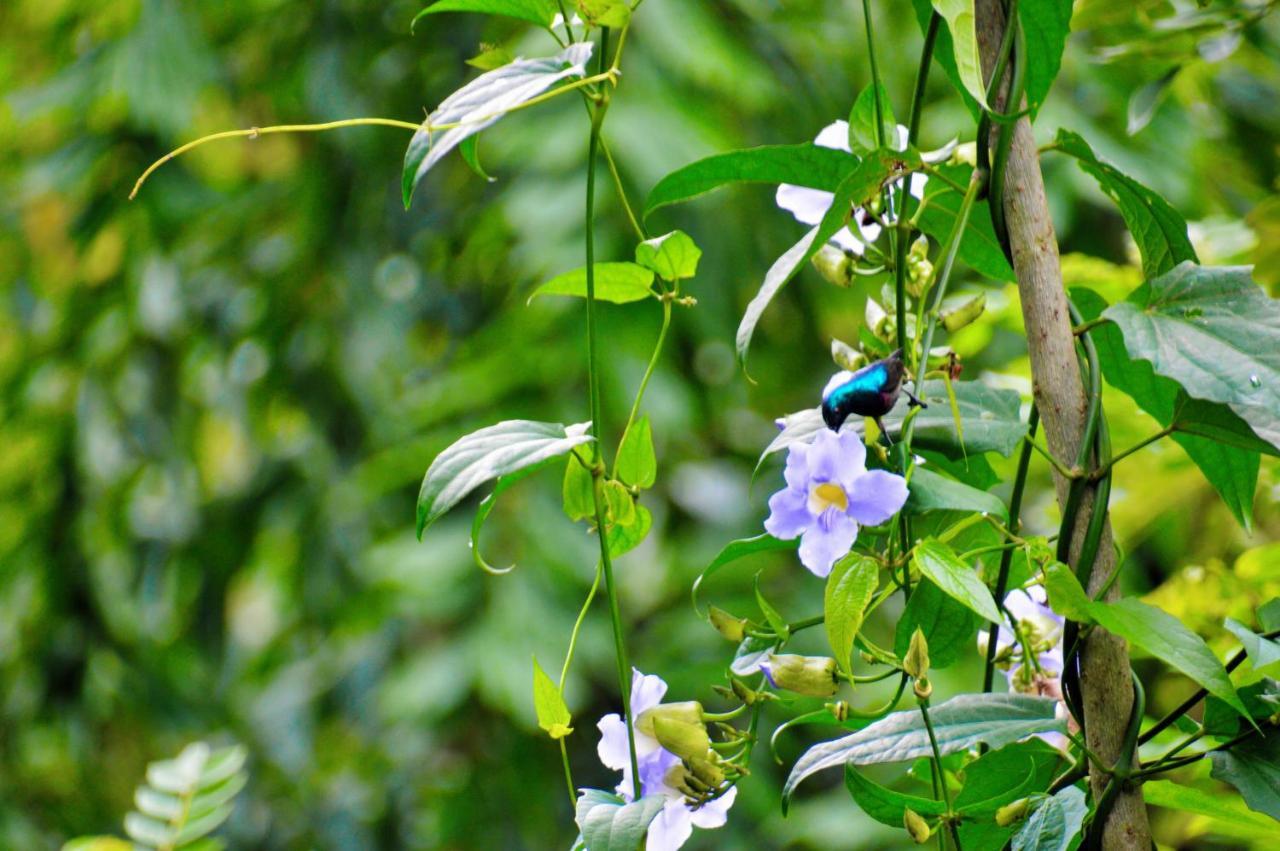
[
  {"x": 674, "y": 825},
  {"x": 1042, "y": 629},
  {"x": 810, "y": 205},
  {"x": 829, "y": 494}
]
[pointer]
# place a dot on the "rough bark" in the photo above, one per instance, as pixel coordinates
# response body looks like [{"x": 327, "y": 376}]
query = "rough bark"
[{"x": 1060, "y": 395}]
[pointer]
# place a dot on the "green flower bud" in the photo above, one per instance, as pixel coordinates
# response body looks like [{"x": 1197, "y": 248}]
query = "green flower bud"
[
  {"x": 919, "y": 248},
  {"x": 707, "y": 771},
  {"x": 684, "y": 739},
  {"x": 923, "y": 688},
  {"x": 1013, "y": 813},
  {"x": 743, "y": 691},
  {"x": 846, "y": 356},
  {"x": 839, "y": 710},
  {"x": 916, "y": 826},
  {"x": 686, "y": 712},
  {"x": 834, "y": 265},
  {"x": 811, "y": 675},
  {"x": 727, "y": 625},
  {"x": 916, "y": 663},
  {"x": 955, "y": 318}
]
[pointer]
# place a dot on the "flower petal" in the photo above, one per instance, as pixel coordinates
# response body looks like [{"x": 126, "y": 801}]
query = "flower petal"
[
  {"x": 848, "y": 242},
  {"x": 647, "y": 691},
  {"x": 715, "y": 813},
  {"x": 672, "y": 827},
  {"x": 827, "y": 540},
  {"x": 797, "y": 469},
  {"x": 875, "y": 496},
  {"x": 807, "y": 205},
  {"x": 838, "y": 458},
  {"x": 942, "y": 154},
  {"x": 653, "y": 772},
  {"x": 613, "y": 748},
  {"x": 788, "y": 514},
  {"x": 834, "y": 135}
]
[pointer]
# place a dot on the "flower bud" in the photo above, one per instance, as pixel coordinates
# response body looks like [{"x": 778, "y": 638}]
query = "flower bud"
[
  {"x": 923, "y": 688},
  {"x": 839, "y": 710},
  {"x": 707, "y": 771},
  {"x": 955, "y": 318},
  {"x": 811, "y": 675},
  {"x": 1013, "y": 813},
  {"x": 686, "y": 712},
  {"x": 916, "y": 662},
  {"x": 916, "y": 826},
  {"x": 965, "y": 154},
  {"x": 727, "y": 625},
  {"x": 846, "y": 356},
  {"x": 743, "y": 691},
  {"x": 684, "y": 739},
  {"x": 920, "y": 248},
  {"x": 834, "y": 265}
]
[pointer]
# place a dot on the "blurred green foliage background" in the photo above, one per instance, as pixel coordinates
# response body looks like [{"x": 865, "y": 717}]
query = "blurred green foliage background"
[{"x": 218, "y": 400}]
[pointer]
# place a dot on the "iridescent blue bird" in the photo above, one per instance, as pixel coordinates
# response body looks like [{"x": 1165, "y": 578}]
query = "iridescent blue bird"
[{"x": 870, "y": 392}]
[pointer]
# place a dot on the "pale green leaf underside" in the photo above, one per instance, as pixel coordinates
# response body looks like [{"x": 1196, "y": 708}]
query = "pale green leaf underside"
[{"x": 619, "y": 283}]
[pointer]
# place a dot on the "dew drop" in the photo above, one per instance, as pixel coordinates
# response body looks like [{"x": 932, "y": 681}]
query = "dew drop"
[{"x": 1255, "y": 380}]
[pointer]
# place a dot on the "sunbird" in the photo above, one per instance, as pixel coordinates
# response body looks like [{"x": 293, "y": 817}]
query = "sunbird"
[{"x": 870, "y": 392}]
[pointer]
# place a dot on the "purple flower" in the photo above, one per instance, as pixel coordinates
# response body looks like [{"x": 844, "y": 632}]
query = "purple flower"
[
  {"x": 1033, "y": 651},
  {"x": 829, "y": 494},
  {"x": 674, "y": 825},
  {"x": 810, "y": 205}
]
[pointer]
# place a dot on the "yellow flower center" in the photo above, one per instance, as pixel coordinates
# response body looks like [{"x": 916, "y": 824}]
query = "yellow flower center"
[{"x": 827, "y": 495}]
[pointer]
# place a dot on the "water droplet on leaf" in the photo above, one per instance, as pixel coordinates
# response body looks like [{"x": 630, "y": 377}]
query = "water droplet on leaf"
[{"x": 1255, "y": 381}]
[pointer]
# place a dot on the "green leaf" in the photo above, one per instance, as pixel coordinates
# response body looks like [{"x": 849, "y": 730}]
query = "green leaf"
[
  {"x": 1262, "y": 699},
  {"x": 98, "y": 843},
  {"x": 750, "y": 653},
  {"x": 481, "y": 103},
  {"x": 553, "y": 714},
  {"x": 620, "y": 508},
  {"x": 486, "y": 507},
  {"x": 1160, "y": 232},
  {"x": 885, "y": 805},
  {"x": 623, "y": 539},
  {"x": 1269, "y": 613},
  {"x": 930, "y": 491},
  {"x": 539, "y": 12},
  {"x": 1003, "y": 776},
  {"x": 863, "y": 138},
  {"x": 609, "y": 823},
  {"x": 1262, "y": 651},
  {"x": 1054, "y": 824},
  {"x": 497, "y": 450},
  {"x": 1154, "y": 630},
  {"x": 469, "y": 148},
  {"x": 735, "y": 550},
  {"x": 854, "y": 191},
  {"x": 979, "y": 248},
  {"x": 944, "y": 55},
  {"x": 576, "y": 490},
  {"x": 1045, "y": 26},
  {"x": 619, "y": 283},
  {"x": 958, "y": 580},
  {"x": 1216, "y": 333},
  {"x": 771, "y": 615},
  {"x": 948, "y": 626},
  {"x": 673, "y": 256},
  {"x": 1212, "y": 435},
  {"x": 806, "y": 164},
  {"x": 1225, "y": 811},
  {"x": 1143, "y": 102},
  {"x": 962, "y": 23},
  {"x": 958, "y": 724},
  {"x": 637, "y": 464},
  {"x": 1253, "y": 767},
  {"x": 605, "y": 13},
  {"x": 850, "y": 587}
]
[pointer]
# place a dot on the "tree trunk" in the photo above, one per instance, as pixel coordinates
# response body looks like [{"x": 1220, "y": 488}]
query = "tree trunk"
[{"x": 1060, "y": 395}]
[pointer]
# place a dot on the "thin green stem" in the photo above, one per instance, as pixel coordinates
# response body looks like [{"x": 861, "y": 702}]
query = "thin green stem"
[
  {"x": 577, "y": 627},
  {"x": 940, "y": 776},
  {"x": 593, "y": 385},
  {"x": 1142, "y": 444},
  {"x": 568, "y": 774},
  {"x": 875, "y": 73},
  {"x": 622, "y": 192},
  {"x": 1062, "y": 469},
  {"x": 648, "y": 373}
]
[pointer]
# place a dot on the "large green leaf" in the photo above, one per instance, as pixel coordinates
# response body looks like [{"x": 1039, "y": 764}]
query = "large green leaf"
[
  {"x": 1054, "y": 824},
  {"x": 1002, "y": 776},
  {"x": 1045, "y": 25},
  {"x": 619, "y": 283},
  {"x": 958, "y": 580},
  {"x": 1253, "y": 767},
  {"x": 1160, "y": 232},
  {"x": 609, "y": 823},
  {"x": 979, "y": 248},
  {"x": 540, "y": 12},
  {"x": 1226, "y": 812},
  {"x": 1216, "y": 333},
  {"x": 1212, "y": 435},
  {"x": 855, "y": 190},
  {"x": 810, "y": 165},
  {"x": 497, "y": 450},
  {"x": 948, "y": 626},
  {"x": 849, "y": 590},
  {"x": 1154, "y": 630},
  {"x": 933, "y": 492},
  {"x": 944, "y": 55},
  {"x": 1262, "y": 651},
  {"x": 959, "y": 724},
  {"x": 885, "y": 805},
  {"x": 962, "y": 24},
  {"x": 735, "y": 550},
  {"x": 482, "y": 102},
  {"x": 989, "y": 416}
]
